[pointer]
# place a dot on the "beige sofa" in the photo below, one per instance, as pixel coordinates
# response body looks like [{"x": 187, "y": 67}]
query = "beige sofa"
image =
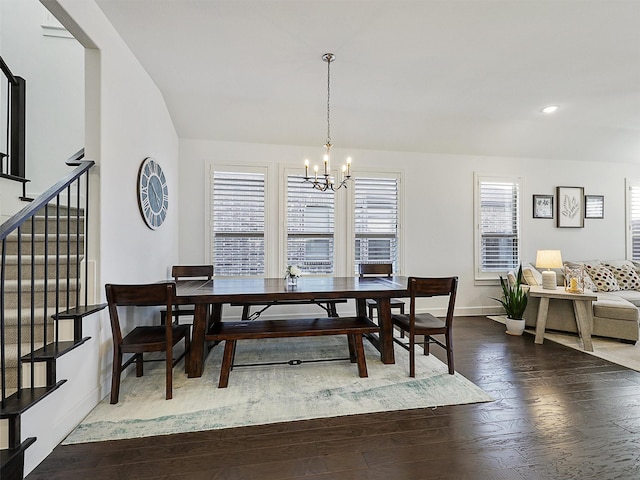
[{"x": 615, "y": 313}]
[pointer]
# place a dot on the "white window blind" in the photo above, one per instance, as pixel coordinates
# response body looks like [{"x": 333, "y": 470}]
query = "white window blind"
[
  {"x": 499, "y": 224},
  {"x": 633, "y": 220},
  {"x": 238, "y": 223},
  {"x": 376, "y": 221},
  {"x": 310, "y": 227}
]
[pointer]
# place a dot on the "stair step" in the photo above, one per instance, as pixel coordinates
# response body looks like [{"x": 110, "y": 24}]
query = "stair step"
[
  {"x": 11, "y": 266},
  {"x": 41, "y": 241},
  {"x": 53, "y": 351},
  {"x": 21, "y": 401},
  {"x": 12, "y": 460},
  {"x": 53, "y": 225}
]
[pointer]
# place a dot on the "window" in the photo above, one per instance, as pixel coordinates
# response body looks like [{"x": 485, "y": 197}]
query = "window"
[
  {"x": 310, "y": 227},
  {"x": 498, "y": 225},
  {"x": 238, "y": 200},
  {"x": 376, "y": 221},
  {"x": 633, "y": 219}
]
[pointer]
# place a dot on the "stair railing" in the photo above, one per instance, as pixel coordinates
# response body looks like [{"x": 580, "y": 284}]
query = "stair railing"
[
  {"x": 61, "y": 196},
  {"x": 12, "y": 159}
]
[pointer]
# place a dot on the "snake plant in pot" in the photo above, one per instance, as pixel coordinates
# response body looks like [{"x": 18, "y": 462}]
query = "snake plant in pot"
[{"x": 514, "y": 301}]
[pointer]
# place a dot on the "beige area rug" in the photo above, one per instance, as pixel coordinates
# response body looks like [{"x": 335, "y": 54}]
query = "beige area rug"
[
  {"x": 609, "y": 349},
  {"x": 276, "y": 393}
]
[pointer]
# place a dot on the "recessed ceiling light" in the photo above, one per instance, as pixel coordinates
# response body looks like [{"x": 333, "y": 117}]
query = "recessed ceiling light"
[{"x": 549, "y": 109}]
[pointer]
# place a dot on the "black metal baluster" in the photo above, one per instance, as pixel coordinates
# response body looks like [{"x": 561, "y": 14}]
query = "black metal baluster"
[
  {"x": 19, "y": 305},
  {"x": 78, "y": 243},
  {"x": 3, "y": 362},
  {"x": 46, "y": 275},
  {"x": 57, "y": 330},
  {"x": 33, "y": 297},
  {"x": 68, "y": 237}
]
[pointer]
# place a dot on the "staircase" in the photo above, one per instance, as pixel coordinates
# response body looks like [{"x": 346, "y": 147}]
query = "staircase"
[{"x": 42, "y": 253}]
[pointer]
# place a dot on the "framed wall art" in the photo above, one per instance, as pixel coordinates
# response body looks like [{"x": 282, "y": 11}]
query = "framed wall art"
[
  {"x": 543, "y": 206},
  {"x": 570, "y": 207},
  {"x": 594, "y": 206}
]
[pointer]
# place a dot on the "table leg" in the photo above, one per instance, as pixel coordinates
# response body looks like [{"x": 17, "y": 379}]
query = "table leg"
[
  {"x": 541, "y": 321},
  {"x": 582, "y": 311},
  {"x": 386, "y": 331},
  {"x": 202, "y": 321}
]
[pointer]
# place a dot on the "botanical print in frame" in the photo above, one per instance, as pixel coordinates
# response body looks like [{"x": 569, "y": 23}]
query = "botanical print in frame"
[
  {"x": 543, "y": 206},
  {"x": 594, "y": 206},
  {"x": 570, "y": 207}
]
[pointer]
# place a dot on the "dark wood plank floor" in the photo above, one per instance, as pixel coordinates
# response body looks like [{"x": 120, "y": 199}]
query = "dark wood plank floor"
[{"x": 558, "y": 414}]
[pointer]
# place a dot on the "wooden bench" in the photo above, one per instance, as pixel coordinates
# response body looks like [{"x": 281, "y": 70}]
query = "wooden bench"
[{"x": 353, "y": 327}]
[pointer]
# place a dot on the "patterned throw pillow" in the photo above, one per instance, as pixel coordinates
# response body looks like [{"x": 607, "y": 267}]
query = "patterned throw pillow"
[
  {"x": 588, "y": 283},
  {"x": 602, "y": 277},
  {"x": 626, "y": 276}
]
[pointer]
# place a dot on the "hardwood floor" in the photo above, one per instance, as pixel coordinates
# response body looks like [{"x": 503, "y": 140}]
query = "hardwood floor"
[{"x": 558, "y": 414}]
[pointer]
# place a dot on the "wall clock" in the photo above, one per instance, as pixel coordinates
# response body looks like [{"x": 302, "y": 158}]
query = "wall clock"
[{"x": 153, "y": 193}]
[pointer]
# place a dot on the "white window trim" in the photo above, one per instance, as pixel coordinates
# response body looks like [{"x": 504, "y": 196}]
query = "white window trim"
[
  {"x": 629, "y": 184},
  {"x": 351, "y": 234},
  {"x": 208, "y": 211},
  {"x": 492, "y": 278}
]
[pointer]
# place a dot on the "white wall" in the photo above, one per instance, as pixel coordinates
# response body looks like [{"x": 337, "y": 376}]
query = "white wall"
[
  {"x": 438, "y": 201},
  {"x": 53, "y": 68}
]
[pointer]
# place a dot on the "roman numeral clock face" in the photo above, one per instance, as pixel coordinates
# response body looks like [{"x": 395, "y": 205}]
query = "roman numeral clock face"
[{"x": 153, "y": 193}]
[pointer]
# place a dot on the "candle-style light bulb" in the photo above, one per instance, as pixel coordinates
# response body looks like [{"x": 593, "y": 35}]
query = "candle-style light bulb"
[
  {"x": 348, "y": 166},
  {"x": 306, "y": 168},
  {"x": 315, "y": 169},
  {"x": 326, "y": 164}
]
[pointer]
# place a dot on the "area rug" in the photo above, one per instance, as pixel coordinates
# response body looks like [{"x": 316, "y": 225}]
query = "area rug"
[
  {"x": 609, "y": 349},
  {"x": 274, "y": 393}
]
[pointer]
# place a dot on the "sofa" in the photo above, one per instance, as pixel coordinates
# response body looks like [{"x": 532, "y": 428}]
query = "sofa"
[{"x": 615, "y": 313}]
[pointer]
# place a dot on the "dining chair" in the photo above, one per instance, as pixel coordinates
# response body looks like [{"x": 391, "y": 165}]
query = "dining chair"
[
  {"x": 191, "y": 272},
  {"x": 379, "y": 270},
  {"x": 144, "y": 339},
  {"x": 425, "y": 323}
]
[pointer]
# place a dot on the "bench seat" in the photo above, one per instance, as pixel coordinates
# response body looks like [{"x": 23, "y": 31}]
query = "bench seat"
[{"x": 230, "y": 332}]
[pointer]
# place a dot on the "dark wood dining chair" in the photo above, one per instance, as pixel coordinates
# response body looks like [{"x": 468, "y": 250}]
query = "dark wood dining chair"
[
  {"x": 379, "y": 270},
  {"x": 144, "y": 339},
  {"x": 191, "y": 272},
  {"x": 425, "y": 323}
]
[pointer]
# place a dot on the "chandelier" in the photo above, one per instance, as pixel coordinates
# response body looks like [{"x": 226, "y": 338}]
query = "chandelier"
[{"x": 325, "y": 181}]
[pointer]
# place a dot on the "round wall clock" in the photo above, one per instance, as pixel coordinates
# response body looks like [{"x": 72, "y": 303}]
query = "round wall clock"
[{"x": 153, "y": 193}]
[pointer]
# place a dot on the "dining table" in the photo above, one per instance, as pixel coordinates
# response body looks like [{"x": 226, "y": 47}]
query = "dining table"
[{"x": 209, "y": 297}]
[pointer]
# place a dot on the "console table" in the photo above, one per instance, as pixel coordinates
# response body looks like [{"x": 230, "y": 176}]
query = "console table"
[{"x": 582, "y": 309}]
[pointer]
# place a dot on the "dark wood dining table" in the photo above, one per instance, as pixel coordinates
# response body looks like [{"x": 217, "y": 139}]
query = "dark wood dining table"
[{"x": 209, "y": 296}]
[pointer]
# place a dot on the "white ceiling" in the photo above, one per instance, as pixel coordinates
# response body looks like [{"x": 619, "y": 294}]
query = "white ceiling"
[{"x": 447, "y": 76}]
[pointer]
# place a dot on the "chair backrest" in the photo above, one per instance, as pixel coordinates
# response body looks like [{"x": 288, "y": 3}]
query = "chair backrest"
[
  {"x": 191, "y": 271},
  {"x": 376, "y": 269},
  {"x": 140, "y": 295},
  {"x": 434, "y": 287}
]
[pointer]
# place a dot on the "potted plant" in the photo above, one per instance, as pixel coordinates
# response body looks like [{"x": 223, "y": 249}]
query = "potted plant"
[{"x": 514, "y": 300}]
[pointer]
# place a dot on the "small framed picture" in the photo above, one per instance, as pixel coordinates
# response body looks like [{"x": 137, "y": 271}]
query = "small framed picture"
[
  {"x": 570, "y": 207},
  {"x": 543, "y": 206},
  {"x": 594, "y": 206}
]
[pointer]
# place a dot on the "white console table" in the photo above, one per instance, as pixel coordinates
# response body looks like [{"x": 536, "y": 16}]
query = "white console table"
[{"x": 582, "y": 309}]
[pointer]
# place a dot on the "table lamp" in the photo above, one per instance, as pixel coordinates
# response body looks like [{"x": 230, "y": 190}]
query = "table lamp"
[{"x": 549, "y": 259}]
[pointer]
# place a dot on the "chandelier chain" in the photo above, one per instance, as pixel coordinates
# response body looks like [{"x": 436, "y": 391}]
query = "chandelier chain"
[{"x": 328, "y": 100}]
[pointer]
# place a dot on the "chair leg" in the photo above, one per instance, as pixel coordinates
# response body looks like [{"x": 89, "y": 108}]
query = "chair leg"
[
  {"x": 115, "y": 376},
  {"x": 426, "y": 344},
  {"x": 412, "y": 358},
  {"x": 449, "y": 343},
  {"x": 187, "y": 349},
  {"x": 169, "y": 372}
]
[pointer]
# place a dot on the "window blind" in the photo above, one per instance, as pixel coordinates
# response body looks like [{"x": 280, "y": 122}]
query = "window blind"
[
  {"x": 634, "y": 219},
  {"x": 238, "y": 223},
  {"x": 499, "y": 225},
  {"x": 376, "y": 221},
  {"x": 310, "y": 227}
]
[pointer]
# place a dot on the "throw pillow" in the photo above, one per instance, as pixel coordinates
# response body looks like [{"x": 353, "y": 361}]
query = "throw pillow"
[
  {"x": 588, "y": 283},
  {"x": 602, "y": 277},
  {"x": 531, "y": 276},
  {"x": 626, "y": 276}
]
